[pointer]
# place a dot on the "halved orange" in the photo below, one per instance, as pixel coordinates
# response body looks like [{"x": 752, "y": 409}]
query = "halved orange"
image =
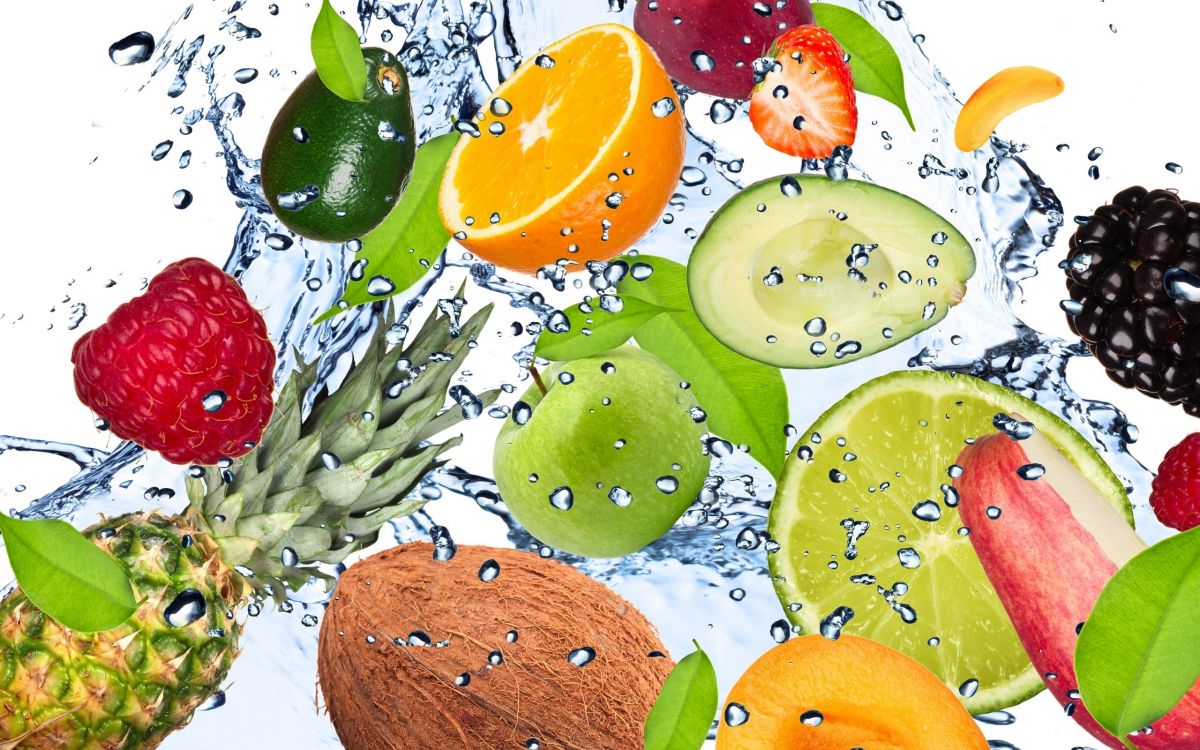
[{"x": 576, "y": 157}]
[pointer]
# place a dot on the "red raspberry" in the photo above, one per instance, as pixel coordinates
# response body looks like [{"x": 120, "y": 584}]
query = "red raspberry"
[
  {"x": 1176, "y": 490},
  {"x": 192, "y": 339}
]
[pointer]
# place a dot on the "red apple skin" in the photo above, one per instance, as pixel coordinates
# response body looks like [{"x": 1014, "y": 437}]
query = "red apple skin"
[
  {"x": 1048, "y": 571},
  {"x": 717, "y": 28}
]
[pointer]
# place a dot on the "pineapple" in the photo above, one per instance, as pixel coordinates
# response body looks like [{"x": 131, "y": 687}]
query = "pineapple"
[{"x": 315, "y": 490}]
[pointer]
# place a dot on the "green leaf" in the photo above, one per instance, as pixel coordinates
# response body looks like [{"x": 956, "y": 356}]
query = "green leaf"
[
  {"x": 412, "y": 236},
  {"x": 607, "y": 330},
  {"x": 684, "y": 710},
  {"x": 66, "y": 576},
  {"x": 873, "y": 62},
  {"x": 1136, "y": 655},
  {"x": 746, "y": 401},
  {"x": 338, "y": 55}
]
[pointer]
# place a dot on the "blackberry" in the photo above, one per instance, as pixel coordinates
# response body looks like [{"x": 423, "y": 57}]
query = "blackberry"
[{"x": 1133, "y": 274}]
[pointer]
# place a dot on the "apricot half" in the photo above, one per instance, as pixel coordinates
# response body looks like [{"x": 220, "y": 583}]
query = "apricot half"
[{"x": 813, "y": 693}]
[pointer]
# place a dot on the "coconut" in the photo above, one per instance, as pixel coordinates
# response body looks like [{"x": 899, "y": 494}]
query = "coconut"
[{"x": 493, "y": 649}]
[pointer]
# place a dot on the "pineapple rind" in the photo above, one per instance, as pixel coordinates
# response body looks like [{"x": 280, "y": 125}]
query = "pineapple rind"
[{"x": 130, "y": 686}]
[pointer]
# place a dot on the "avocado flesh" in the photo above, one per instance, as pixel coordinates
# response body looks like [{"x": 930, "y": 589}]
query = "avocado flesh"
[
  {"x": 838, "y": 272},
  {"x": 332, "y": 169}
]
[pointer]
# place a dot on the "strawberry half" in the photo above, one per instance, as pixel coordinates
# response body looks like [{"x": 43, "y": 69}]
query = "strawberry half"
[{"x": 805, "y": 105}]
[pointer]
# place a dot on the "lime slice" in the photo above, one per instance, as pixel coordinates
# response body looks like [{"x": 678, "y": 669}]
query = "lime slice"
[{"x": 884, "y": 456}]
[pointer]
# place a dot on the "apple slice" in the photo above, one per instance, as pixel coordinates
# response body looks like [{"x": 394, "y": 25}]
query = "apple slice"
[{"x": 1049, "y": 542}]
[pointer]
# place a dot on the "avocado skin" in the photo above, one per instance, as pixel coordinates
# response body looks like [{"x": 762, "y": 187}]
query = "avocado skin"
[{"x": 359, "y": 174}]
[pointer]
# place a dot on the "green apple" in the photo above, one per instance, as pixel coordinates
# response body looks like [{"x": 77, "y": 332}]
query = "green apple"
[{"x": 607, "y": 459}]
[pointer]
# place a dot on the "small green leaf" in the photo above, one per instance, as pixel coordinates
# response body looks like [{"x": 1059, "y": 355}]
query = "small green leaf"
[
  {"x": 1136, "y": 655},
  {"x": 607, "y": 330},
  {"x": 873, "y": 61},
  {"x": 338, "y": 55},
  {"x": 684, "y": 710},
  {"x": 66, "y": 576},
  {"x": 746, "y": 401},
  {"x": 411, "y": 237}
]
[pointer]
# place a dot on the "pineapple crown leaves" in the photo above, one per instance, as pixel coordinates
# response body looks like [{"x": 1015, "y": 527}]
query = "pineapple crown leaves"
[{"x": 317, "y": 488}]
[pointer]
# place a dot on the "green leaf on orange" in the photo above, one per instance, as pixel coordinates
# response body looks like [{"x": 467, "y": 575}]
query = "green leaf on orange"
[
  {"x": 685, "y": 707},
  {"x": 411, "y": 238},
  {"x": 66, "y": 576},
  {"x": 596, "y": 331},
  {"x": 1136, "y": 656},
  {"x": 338, "y": 55},
  {"x": 873, "y": 61},
  {"x": 746, "y": 401}
]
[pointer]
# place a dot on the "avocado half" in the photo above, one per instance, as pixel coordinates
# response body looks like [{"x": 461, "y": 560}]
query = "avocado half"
[
  {"x": 332, "y": 169},
  {"x": 809, "y": 272}
]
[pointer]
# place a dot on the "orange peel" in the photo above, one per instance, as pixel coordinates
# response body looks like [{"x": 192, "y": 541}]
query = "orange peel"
[
  {"x": 819, "y": 694},
  {"x": 1004, "y": 93}
]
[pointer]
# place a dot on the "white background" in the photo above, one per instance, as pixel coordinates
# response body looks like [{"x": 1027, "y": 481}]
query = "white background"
[{"x": 83, "y": 203}]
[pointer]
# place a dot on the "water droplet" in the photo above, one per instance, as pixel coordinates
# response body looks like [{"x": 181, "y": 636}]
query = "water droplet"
[
  {"x": 927, "y": 510},
  {"x": 1030, "y": 472},
  {"x": 463, "y": 680},
  {"x": 993, "y": 512},
  {"x": 245, "y": 75},
  {"x": 663, "y": 107},
  {"x": 214, "y": 401},
  {"x": 702, "y": 61},
  {"x": 1182, "y": 285},
  {"x": 1174, "y": 168},
  {"x": 831, "y": 626},
  {"x": 133, "y": 49},
  {"x": 721, "y": 112},
  {"x": 969, "y": 688},
  {"x": 812, "y": 718},
  {"x": 500, "y": 107},
  {"x": 187, "y": 607},
  {"x": 620, "y": 496},
  {"x": 521, "y": 412},
  {"x": 544, "y": 61},
  {"x": 667, "y": 484},
  {"x": 581, "y": 657},
  {"x": 790, "y": 186},
  {"x": 909, "y": 558},
  {"x": 182, "y": 198},
  {"x": 781, "y": 630},
  {"x": 277, "y": 242},
  {"x": 736, "y": 715},
  {"x": 161, "y": 150},
  {"x": 562, "y": 498},
  {"x": 489, "y": 571},
  {"x": 330, "y": 460},
  {"x": 289, "y": 558},
  {"x": 815, "y": 327},
  {"x": 298, "y": 199}
]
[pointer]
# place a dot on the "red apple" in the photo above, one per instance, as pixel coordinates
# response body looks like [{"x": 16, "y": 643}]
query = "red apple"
[
  {"x": 1049, "y": 545},
  {"x": 711, "y": 45}
]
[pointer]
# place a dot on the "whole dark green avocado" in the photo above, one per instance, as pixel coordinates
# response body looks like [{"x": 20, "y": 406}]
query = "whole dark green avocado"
[{"x": 332, "y": 169}]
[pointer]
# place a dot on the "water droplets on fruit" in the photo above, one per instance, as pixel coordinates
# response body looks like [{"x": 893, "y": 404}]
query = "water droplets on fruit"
[
  {"x": 736, "y": 715},
  {"x": 296, "y": 200},
  {"x": 581, "y": 657},
  {"x": 855, "y": 530},
  {"x": 781, "y": 631},
  {"x": 521, "y": 412},
  {"x": 927, "y": 510},
  {"x": 667, "y": 484},
  {"x": 909, "y": 558},
  {"x": 1182, "y": 285},
  {"x": 663, "y": 107},
  {"x": 1031, "y": 472},
  {"x": 187, "y": 607},
  {"x": 832, "y": 624},
  {"x": 214, "y": 401},
  {"x": 969, "y": 688},
  {"x": 489, "y": 571},
  {"x": 562, "y": 498},
  {"x": 812, "y": 718},
  {"x": 620, "y": 497},
  {"x": 702, "y": 61}
]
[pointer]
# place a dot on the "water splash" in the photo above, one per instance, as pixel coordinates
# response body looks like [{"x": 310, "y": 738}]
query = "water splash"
[{"x": 453, "y": 57}]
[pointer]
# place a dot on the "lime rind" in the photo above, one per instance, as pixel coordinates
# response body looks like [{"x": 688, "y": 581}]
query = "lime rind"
[{"x": 951, "y": 595}]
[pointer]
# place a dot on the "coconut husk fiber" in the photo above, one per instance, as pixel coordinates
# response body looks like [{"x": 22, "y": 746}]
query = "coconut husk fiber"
[{"x": 383, "y": 693}]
